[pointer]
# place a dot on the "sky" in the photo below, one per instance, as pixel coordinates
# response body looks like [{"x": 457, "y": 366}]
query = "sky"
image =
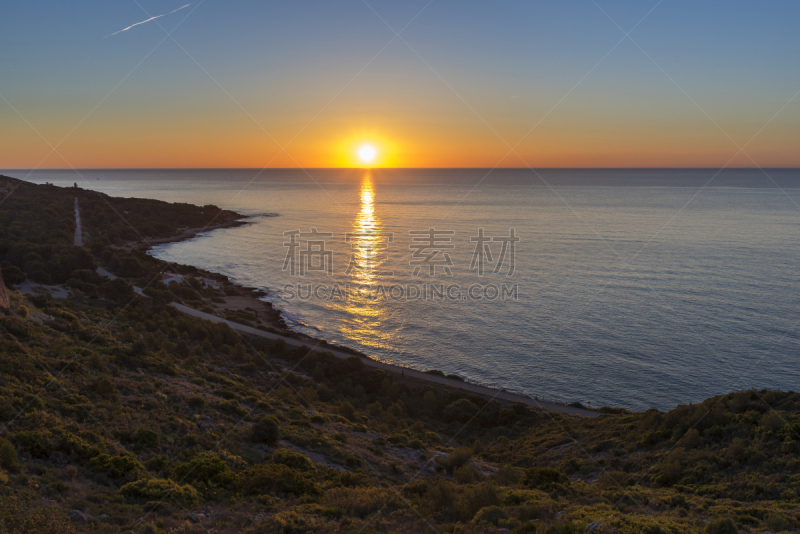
[{"x": 441, "y": 83}]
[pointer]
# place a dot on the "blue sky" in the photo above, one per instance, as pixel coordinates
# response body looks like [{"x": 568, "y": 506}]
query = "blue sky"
[{"x": 465, "y": 81}]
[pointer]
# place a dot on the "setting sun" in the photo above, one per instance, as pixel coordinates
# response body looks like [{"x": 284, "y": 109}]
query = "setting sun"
[{"x": 366, "y": 153}]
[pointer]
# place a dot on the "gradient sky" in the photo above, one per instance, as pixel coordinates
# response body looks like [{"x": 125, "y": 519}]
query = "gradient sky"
[{"x": 467, "y": 84}]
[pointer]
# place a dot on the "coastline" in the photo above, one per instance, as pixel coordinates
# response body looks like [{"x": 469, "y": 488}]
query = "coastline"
[{"x": 280, "y": 330}]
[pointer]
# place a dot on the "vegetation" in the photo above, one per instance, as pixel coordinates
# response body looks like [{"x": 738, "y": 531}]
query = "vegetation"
[{"x": 119, "y": 414}]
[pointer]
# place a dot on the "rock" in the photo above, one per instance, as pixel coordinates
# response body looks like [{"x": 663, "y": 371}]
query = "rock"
[
  {"x": 80, "y": 517},
  {"x": 193, "y": 517},
  {"x": 103, "y": 517},
  {"x": 592, "y": 527}
]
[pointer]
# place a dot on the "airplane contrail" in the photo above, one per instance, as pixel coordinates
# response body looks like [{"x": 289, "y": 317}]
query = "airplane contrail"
[{"x": 148, "y": 20}]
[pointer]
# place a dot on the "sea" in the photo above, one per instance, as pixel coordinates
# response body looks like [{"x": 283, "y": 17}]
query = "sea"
[{"x": 634, "y": 288}]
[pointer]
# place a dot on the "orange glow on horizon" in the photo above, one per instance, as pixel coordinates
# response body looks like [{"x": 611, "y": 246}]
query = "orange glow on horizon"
[{"x": 396, "y": 144}]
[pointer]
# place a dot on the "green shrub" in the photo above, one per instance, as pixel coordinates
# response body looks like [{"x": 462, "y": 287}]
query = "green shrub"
[
  {"x": 104, "y": 387},
  {"x": 295, "y": 460},
  {"x": 13, "y": 275},
  {"x": 432, "y": 438},
  {"x": 206, "y": 471},
  {"x": 347, "y": 410},
  {"x": 363, "y": 501},
  {"x": 722, "y": 526},
  {"x": 466, "y": 474},
  {"x": 398, "y": 440},
  {"x": 266, "y": 431},
  {"x": 115, "y": 466},
  {"x": 8, "y": 456},
  {"x": 196, "y": 402},
  {"x": 41, "y": 444},
  {"x": 146, "y": 439},
  {"x": 20, "y": 328},
  {"x": 276, "y": 479},
  {"x": 474, "y": 498},
  {"x": 7, "y": 411},
  {"x": 440, "y": 497},
  {"x": 778, "y": 523},
  {"x": 490, "y": 515},
  {"x": 456, "y": 459},
  {"x": 460, "y": 411},
  {"x": 543, "y": 478},
  {"x": 35, "y": 443},
  {"x": 159, "y": 464},
  {"x": 159, "y": 489},
  {"x": 231, "y": 407}
]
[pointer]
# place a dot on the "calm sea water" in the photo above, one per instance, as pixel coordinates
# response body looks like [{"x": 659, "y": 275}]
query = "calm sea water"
[{"x": 634, "y": 288}]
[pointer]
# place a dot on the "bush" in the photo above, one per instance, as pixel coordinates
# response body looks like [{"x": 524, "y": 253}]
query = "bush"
[
  {"x": 115, "y": 466},
  {"x": 276, "y": 479},
  {"x": 266, "y": 431},
  {"x": 456, "y": 459},
  {"x": 232, "y": 407},
  {"x": 104, "y": 387},
  {"x": 16, "y": 326},
  {"x": 474, "y": 498},
  {"x": 146, "y": 439},
  {"x": 543, "y": 478},
  {"x": 13, "y": 275},
  {"x": 398, "y": 440},
  {"x": 206, "y": 471},
  {"x": 196, "y": 402},
  {"x": 295, "y": 460},
  {"x": 118, "y": 290},
  {"x": 778, "y": 523},
  {"x": 8, "y": 456},
  {"x": 490, "y": 515},
  {"x": 722, "y": 526},
  {"x": 460, "y": 411},
  {"x": 41, "y": 444},
  {"x": 159, "y": 489},
  {"x": 347, "y": 410},
  {"x": 432, "y": 438},
  {"x": 466, "y": 474},
  {"x": 363, "y": 502}
]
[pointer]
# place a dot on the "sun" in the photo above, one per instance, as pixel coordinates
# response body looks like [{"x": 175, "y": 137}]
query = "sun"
[{"x": 366, "y": 153}]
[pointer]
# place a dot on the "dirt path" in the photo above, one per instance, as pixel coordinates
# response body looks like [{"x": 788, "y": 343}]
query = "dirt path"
[{"x": 78, "y": 232}]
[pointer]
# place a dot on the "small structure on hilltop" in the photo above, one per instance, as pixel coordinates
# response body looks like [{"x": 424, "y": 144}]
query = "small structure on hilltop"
[{"x": 5, "y": 303}]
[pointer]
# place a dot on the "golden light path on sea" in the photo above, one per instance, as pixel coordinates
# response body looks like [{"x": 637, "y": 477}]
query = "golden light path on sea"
[{"x": 366, "y": 268}]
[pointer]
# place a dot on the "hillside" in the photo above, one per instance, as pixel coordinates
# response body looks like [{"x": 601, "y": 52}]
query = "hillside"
[{"x": 120, "y": 414}]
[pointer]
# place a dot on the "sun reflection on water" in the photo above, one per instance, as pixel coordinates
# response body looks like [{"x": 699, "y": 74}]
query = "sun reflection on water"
[{"x": 367, "y": 268}]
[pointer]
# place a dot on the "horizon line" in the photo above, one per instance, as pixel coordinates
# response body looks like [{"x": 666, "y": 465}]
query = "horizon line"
[{"x": 74, "y": 169}]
